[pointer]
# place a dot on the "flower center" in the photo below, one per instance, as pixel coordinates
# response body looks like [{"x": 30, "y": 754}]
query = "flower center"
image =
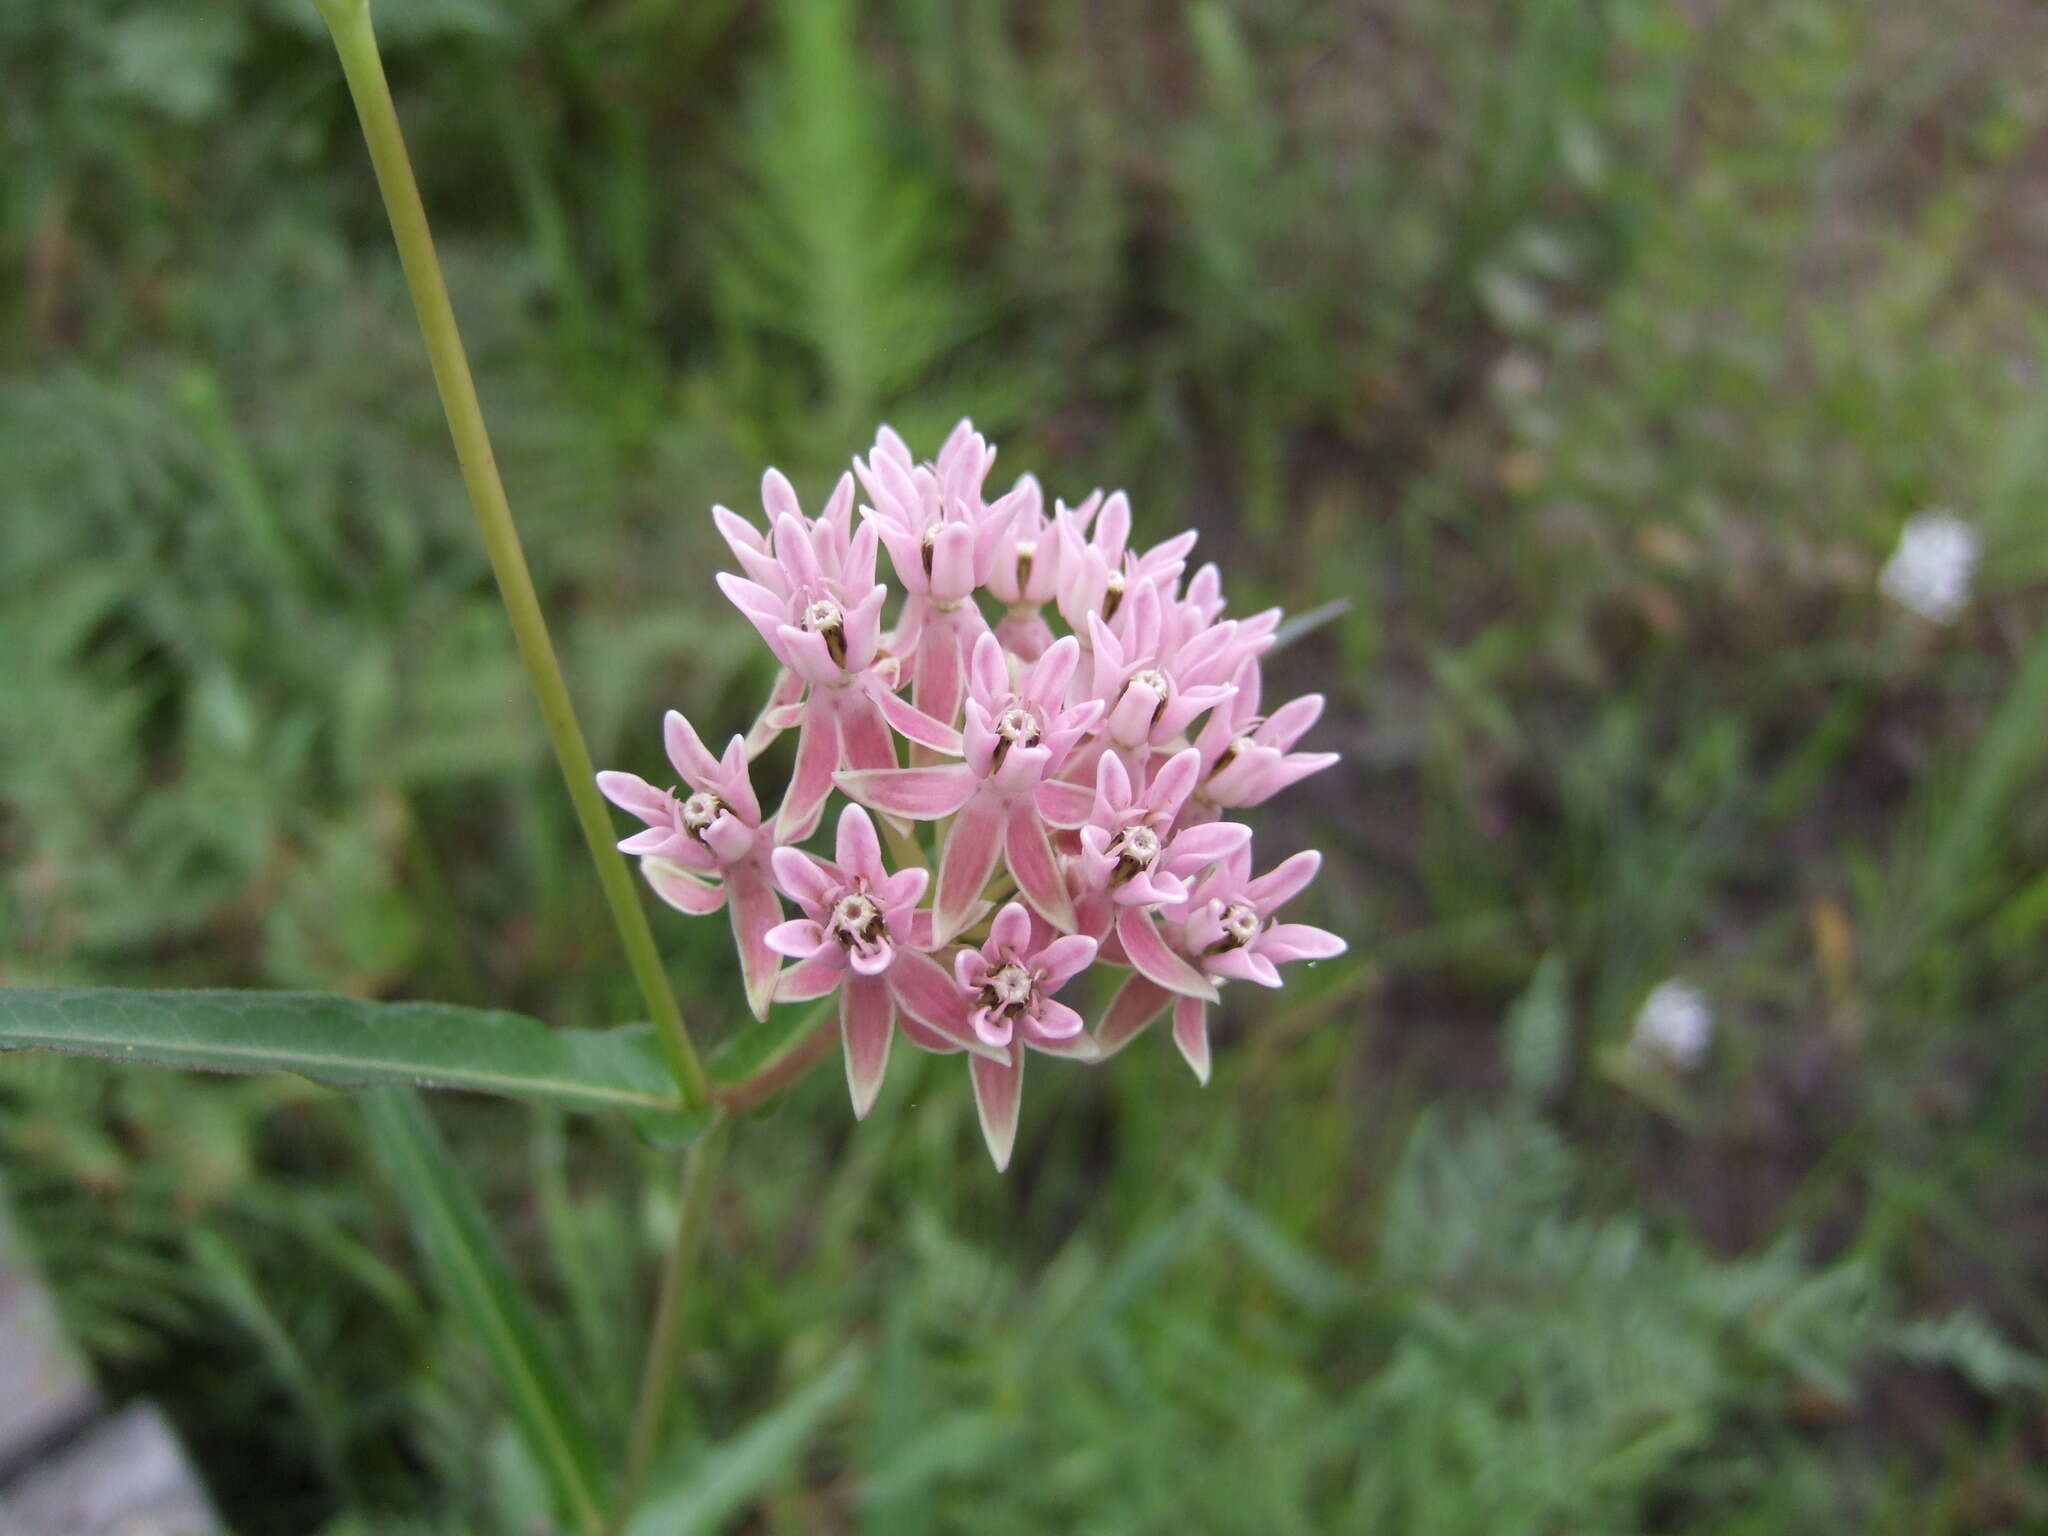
[
  {"x": 925, "y": 547},
  {"x": 1027, "y": 552},
  {"x": 1136, "y": 849},
  {"x": 1019, "y": 725},
  {"x": 857, "y": 920},
  {"x": 827, "y": 620},
  {"x": 1008, "y": 989},
  {"x": 699, "y": 811},
  {"x": 1240, "y": 925}
]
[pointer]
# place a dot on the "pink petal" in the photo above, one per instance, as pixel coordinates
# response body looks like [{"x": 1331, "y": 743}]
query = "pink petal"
[
  {"x": 866, "y": 1014},
  {"x": 763, "y": 608},
  {"x": 778, "y": 497},
  {"x": 1063, "y": 959},
  {"x": 1194, "y": 847},
  {"x": 1112, "y": 784},
  {"x": 1064, "y": 805},
  {"x": 865, "y": 745},
  {"x": 688, "y": 752},
  {"x": 815, "y": 977},
  {"x": 988, "y": 671},
  {"x": 680, "y": 890},
  {"x": 810, "y": 785},
  {"x": 799, "y": 938},
  {"x": 1137, "y": 1003},
  {"x": 1046, "y": 686},
  {"x": 1298, "y": 941},
  {"x": 1173, "y": 782},
  {"x": 1191, "y": 1034},
  {"x": 633, "y": 794},
  {"x": 1033, "y": 864},
  {"x": 736, "y": 784},
  {"x": 1010, "y": 934},
  {"x": 913, "y": 724},
  {"x": 806, "y": 654},
  {"x": 932, "y": 997},
  {"x": 755, "y": 910},
  {"x": 872, "y": 960},
  {"x": 728, "y": 839},
  {"x": 952, "y": 569},
  {"x": 802, "y": 878},
  {"x": 656, "y": 840},
  {"x": 998, "y": 1096},
  {"x": 973, "y": 844},
  {"x": 1245, "y": 965},
  {"x": 920, "y": 794},
  {"x": 1284, "y": 881},
  {"x": 859, "y": 849},
  {"x": 1056, "y": 1021},
  {"x": 1148, "y": 952},
  {"x": 1290, "y": 722}
]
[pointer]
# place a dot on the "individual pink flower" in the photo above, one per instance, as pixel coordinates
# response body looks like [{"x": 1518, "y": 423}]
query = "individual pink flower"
[
  {"x": 1248, "y": 758},
  {"x": 1097, "y": 572},
  {"x": 1226, "y": 928},
  {"x": 1008, "y": 987},
  {"x": 1002, "y": 795},
  {"x": 810, "y": 592},
  {"x": 941, "y": 537},
  {"x": 1152, "y": 694},
  {"x": 1134, "y": 860},
  {"x": 862, "y": 934},
  {"x": 708, "y": 851},
  {"x": 1025, "y": 575}
]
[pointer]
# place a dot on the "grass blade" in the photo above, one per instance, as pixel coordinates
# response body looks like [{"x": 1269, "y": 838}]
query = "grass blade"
[
  {"x": 717, "y": 1483},
  {"x": 474, "y": 1279}
]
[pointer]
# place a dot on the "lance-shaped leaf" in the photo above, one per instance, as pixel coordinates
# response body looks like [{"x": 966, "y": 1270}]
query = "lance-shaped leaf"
[{"x": 351, "y": 1043}]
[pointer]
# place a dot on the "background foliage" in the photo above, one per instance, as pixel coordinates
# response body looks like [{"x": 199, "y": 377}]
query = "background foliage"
[{"x": 1594, "y": 351}]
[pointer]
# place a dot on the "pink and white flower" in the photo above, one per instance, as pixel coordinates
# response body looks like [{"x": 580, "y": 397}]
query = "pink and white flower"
[
  {"x": 1078, "y": 767},
  {"x": 1248, "y": 758},
  {"x": 710, "y": 850},
  {"x": 942, "y": 538},
  {"x": 861, "y": 934},
  {"x": 1135, "y": 859},
  {"x": 1226, "y": 929},
  {"x": 810, "y": 592},
  {"x": 1002, "y": 797},
  {"x": 1008, "y": 985}
]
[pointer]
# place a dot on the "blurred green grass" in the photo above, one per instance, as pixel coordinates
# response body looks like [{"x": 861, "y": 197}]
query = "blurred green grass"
[{"x": 1596, "y": 353}]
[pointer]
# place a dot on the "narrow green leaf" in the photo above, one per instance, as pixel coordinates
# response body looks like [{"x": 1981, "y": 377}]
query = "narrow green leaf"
[
  {"x": 715, "y": 1484},
  {"x": 473, "y": 1277},
  {"x": 350, "y": 1043},
  {"x": 1301, "y": 624}
]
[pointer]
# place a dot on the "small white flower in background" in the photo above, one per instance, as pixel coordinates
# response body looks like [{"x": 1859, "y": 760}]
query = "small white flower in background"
[
  {"x": 1675, "y": 1025},
  {"x": 1931, "y": 569}
]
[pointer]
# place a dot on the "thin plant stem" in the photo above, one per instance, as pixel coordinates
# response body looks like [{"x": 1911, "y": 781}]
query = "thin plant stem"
[
  {"x": 356, "y": 43},
  {"x": 665, "y": 1338}
]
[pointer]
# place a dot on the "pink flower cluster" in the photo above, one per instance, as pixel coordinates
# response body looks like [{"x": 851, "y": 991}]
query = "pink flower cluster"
[{"x": 1071, "y": 791}]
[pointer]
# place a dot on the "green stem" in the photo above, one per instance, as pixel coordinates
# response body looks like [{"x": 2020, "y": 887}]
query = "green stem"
[
  {"x": 665, "y": 1338},
  {"x": 354, "y": 40}
]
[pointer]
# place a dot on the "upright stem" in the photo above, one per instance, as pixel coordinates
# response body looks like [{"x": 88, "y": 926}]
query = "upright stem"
[
  {"x": 349, "y": 21},
  {"x": 665, "y": 1339}
]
